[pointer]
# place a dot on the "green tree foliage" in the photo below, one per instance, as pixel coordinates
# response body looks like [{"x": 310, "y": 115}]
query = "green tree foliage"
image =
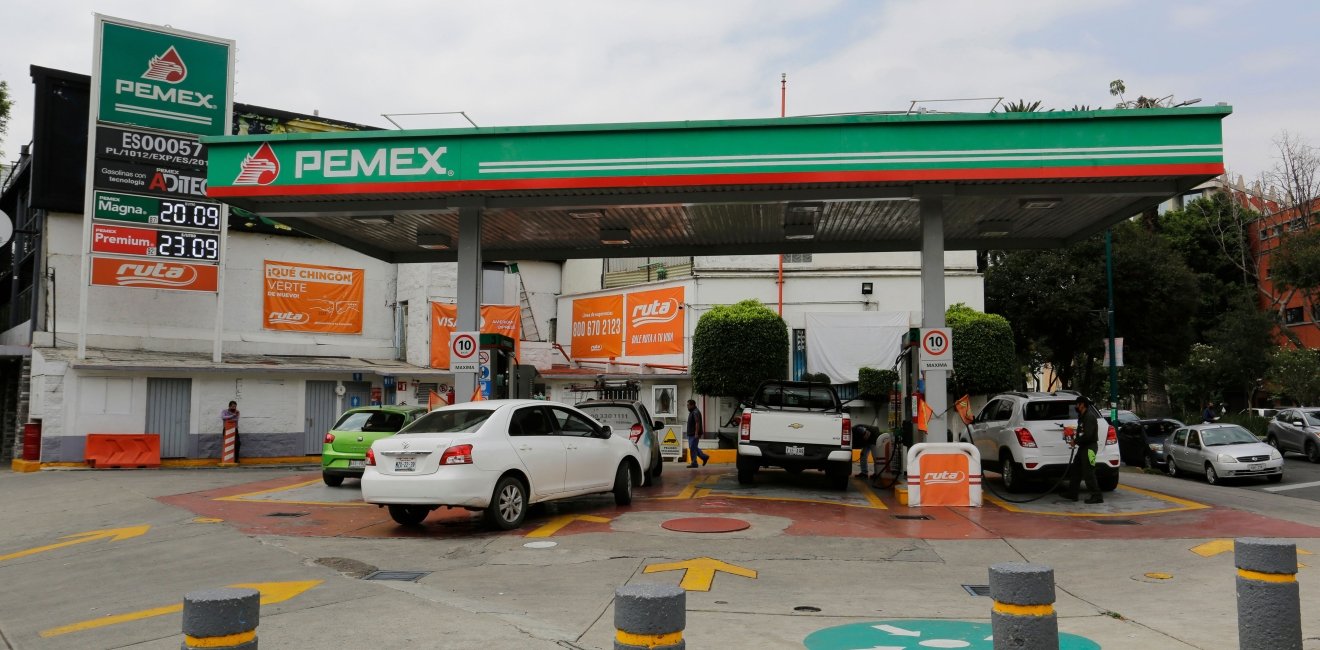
[
  {"x": 875, "y": 384},
  {"x": 1296, "y": 264},
  {"x": 736, "y": 347},
  {"x": 1295, "y": 374},
  {"x": 984, "y": 359},
  {"x": 5, "y": 105}
]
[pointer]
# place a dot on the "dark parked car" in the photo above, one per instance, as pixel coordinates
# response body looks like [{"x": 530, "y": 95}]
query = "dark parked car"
[
  {"x": 1296, "y": 429},
  {"x": 1141, "y": 443}
]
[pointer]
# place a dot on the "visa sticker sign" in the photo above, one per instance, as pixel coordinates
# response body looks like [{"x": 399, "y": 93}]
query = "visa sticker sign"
[{"x": 163, "y": 78}]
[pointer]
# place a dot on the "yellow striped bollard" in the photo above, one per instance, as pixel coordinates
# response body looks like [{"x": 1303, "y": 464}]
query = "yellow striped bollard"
[
  {"x": 1268, "y": 596},
  {"x": 221, "y": 618},
  {"x": 1022, "y": 616},
  {"x": 650, "y": 617}
]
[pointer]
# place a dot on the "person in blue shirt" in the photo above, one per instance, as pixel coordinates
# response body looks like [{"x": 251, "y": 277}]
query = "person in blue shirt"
[
  {"x": 695, "y": 427},
  {"x": 1208, "y": 415}
]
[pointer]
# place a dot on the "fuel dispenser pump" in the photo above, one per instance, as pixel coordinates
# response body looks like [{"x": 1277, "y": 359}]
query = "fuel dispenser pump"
[{"x": 500, "y": 376}]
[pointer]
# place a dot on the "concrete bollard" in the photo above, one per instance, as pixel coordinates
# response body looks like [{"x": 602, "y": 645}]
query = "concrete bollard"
[
  {"x": 1022, "y": 616},
  {"x": 1268, "y": 599},
  {"x": 221, "y": 618},
  {"x": 650, "y": 617}
]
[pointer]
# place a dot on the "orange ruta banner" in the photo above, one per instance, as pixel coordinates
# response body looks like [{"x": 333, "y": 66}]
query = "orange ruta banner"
[
  {"x": 598, "y": 327},
  {"x": 944, "y": 479},
  {"x": 495, "y": 319},
  {"x": 655, "y": 322},
  {"x": 311, "y": 298}
]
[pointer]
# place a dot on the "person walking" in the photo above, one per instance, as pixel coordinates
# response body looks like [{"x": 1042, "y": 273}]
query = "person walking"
[
  {"x": 229, "y": 418},
  {"x": 695, "y": 428},
  {"x": 863, "y": 439},
  {"x": 1085, "y": 444},
  {"x": 1208, "y": 415}
]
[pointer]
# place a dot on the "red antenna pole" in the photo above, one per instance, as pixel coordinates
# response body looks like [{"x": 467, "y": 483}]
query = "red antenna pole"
[{"x": 783, "y": 94}]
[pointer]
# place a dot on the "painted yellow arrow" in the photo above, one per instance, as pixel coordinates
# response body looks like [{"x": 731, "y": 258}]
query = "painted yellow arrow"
[
  {"x": 271, "y": 592},
  {"x": 554, "y": 525},
  {"x": 1216, "y": 546},
  {"x": 700, "y": 571},
  {"x": 111, "y": 534}
]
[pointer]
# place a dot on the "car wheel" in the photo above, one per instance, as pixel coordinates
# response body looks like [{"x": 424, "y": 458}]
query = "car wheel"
[
  {"x": 332, "y": 480},
  {"x": 623, "y": 484},
  {"x": 1011, "y": 473},
  {"x": 1149, "y": 463},
  {"x": 1171, "y": 467},
  {"x": 409, "y": 515},
  {"x": 747, "y": 467},
  {"x": 508, "y": 504},
  {"x": 657, "y": 466},
  {"x": 1273, "y": 442},
  {"x": 1275, "y": 478},
  {"x": 1312, "y": 451},
  {"x": 1108, "y": 481},
  {"x": 1211, "y": 476},
  {"x": 838, "y": 477}
]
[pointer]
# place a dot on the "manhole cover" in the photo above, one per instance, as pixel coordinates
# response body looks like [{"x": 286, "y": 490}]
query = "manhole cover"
[
  {"x": 288, "y": 514},
  {"x": 977, "y": 590},
  {"x": 919, "y": 517},
  {"x": 401, "y": 576},
  {"x": 1115, "y": 522},
  {"x": 705, "y": 525}
]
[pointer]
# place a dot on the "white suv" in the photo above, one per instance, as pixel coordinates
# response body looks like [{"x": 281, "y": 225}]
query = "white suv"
[{"x": 1021, "y": 436}]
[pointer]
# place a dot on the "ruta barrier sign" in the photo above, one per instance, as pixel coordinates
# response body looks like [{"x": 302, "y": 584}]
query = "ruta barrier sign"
[{"x": 944, "y": 474}]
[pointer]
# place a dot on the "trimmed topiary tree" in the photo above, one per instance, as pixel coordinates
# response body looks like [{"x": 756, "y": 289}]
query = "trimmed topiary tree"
[
  {"x": 736, "y": 347},
  {"x": 874, "y": 384},
  {"x": 984, "y": 361}
]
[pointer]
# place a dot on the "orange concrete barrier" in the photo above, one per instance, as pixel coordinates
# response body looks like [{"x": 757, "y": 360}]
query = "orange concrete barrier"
[{"x": 122, "y": 450}]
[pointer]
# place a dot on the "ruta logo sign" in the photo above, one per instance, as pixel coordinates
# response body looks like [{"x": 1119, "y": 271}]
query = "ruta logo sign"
[
  {"x": 933, "y": 478},
  {"x": 655, "y": 322},
  {"x": 144, "y": 274},
  {"x": 259, "y": 168},
  {"x": 167, "y": 67}
]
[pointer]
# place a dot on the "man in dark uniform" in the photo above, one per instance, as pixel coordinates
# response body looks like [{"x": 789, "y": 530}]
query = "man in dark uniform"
[{"x": 1085, "y": 444}]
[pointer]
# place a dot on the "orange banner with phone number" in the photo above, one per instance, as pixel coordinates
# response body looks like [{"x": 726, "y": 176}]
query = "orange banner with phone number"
[
  {"x": 311, "y": 298},
  {"x": 598, "y": 327},
  {"x": 495, "y": 319}
]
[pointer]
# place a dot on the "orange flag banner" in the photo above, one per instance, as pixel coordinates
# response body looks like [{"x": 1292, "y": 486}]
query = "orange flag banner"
[
  {"x": 434, "y": 401},
  {"x": 924, "y": 413},
  {"x": 964, "y": 406}
]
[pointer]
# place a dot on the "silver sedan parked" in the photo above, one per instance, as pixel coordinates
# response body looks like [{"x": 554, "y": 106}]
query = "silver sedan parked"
[{"x": 1221, "y": 451}]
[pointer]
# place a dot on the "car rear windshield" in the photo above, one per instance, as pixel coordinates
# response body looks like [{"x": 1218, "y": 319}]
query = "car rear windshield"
[
  {"x": 449, "y": 421},
  {"x": 1050, "y": 410},
  {"x": 369, "y": 421},
  {"x": 615, "y": 415},
  {"x": 819, "y": 398}
]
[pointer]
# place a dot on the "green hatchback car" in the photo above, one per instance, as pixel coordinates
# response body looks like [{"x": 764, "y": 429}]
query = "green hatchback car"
[{"x": 344, "y": 453}]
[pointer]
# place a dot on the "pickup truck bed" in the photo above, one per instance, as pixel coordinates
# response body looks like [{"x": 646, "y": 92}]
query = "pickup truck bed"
[{"x": 796, "y": 426}]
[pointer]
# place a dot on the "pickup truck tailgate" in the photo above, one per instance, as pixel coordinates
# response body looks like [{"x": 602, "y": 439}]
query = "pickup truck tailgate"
[{"x": 809, "y": 427}]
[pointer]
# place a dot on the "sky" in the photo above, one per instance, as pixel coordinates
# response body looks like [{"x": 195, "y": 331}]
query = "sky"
[{"x": 567, "y": 61}]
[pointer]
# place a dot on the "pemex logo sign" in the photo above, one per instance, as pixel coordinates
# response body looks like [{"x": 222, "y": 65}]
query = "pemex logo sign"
[
  {"x": 163, "y": 79},
  {"x": 259, "y": 168},
  {"x": 168, "y": 67}
]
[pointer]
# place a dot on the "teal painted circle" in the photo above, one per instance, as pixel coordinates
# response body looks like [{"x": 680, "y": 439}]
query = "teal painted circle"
[{"x": 919, "y": 635}]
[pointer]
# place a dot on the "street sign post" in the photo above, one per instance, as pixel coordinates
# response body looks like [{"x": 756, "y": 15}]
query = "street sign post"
[
  {"x": 936, "y": 348},
  {"x": 463, "y": 351}
]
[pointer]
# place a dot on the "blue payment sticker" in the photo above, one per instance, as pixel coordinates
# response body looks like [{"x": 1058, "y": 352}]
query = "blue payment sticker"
[{"x": 919, "y": 635}]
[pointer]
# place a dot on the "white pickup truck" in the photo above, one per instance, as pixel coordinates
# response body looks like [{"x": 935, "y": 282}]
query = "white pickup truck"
[{"x": 795, "y": 425}]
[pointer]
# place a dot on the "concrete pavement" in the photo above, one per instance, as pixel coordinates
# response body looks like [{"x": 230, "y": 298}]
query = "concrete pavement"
[{"x": 489, "y": 590}]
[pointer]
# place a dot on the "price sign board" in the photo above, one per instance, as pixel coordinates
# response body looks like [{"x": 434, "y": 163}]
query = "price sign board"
[
  {"x": 936, "y": 348},
  {"x": 146, "y": 242},
  {"x": 181, "y": 213},
  {"x": 463, "y": 351}
]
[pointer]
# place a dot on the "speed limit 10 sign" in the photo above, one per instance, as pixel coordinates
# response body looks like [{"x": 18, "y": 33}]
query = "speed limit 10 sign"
[
  {"x": 463, "y": 351},
  {"x": 936, "y": 348}
]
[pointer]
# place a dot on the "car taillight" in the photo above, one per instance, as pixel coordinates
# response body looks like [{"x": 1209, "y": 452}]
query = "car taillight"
[
  {"x": 745, "y": 427},
  {"x": 329, "y": 438},
  {"x": 635, "y": 433},
  {"x": 1024, "y": 438},
  {"x": 457, "y": 455},
  {"x": 845, "y": 440},
  {"x": 371, "y": 456},
  {"x": 1112, "y": 437}
]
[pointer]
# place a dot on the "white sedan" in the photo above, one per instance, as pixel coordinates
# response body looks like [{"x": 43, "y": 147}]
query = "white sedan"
[{"x": 498, "y": 456}]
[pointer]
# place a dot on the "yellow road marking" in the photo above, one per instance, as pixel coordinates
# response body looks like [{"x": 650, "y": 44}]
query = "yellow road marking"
[
  {"x": 1216, "y": 546},
  {"x": 244, "y": 497},
  {"x": 1023, "y": 610},
  {"x": 685, "y": 493},
  {"x": 1159, "y": 576},
  {"x": 207, "y": 520},
  {"x": 554, "y": 525},
  {"x": 226, "y": 641},
  {"x": 700, "y": 572},
  {"x": 109, "y": 534},
  {"x": 648, "y": 640},
  {"x": 271, "y": 592},
  {"x": 1267, "y": 577},
  {"x": 1183, "y": 506},
  {"x": 871, "y": 496}
]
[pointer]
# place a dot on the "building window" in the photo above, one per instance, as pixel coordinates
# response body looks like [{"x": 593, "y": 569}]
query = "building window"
[
  {"x": 797, "y": 258},
  {"x": 1264, "y": 234},
  {"x": 1292, "y": 315}
]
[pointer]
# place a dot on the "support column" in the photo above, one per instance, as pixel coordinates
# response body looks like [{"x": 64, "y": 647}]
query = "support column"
[
  {"x": 932, "y": 309},
  {"x": 469, "y": 290}
]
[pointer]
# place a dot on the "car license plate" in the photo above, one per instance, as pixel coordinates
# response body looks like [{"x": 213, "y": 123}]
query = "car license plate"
[
  {"x": 1256, "y": 467},
  {"x": 357, "y": 463},
  {"x": 795, "y": 451},
  {"x": 405, "y": 464}
]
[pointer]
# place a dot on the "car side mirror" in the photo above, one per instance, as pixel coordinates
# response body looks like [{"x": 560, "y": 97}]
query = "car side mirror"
[{"x": 1299, "y": 423}]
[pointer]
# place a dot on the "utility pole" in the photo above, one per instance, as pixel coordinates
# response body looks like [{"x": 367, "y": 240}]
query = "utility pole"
[{"x": 1113, "y": 344}]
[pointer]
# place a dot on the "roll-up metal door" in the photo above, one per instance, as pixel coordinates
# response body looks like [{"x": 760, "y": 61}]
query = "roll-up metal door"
[
  {"x": 169, "y": 410},
  {"x": 321, "y": 414}
]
